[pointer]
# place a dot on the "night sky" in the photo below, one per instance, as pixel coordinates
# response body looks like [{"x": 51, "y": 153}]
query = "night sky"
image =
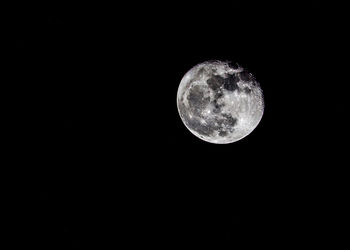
[{"x": 115, "y": 167}]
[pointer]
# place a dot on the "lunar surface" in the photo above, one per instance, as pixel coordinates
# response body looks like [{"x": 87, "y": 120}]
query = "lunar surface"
[{"x": 220, "y": 102}]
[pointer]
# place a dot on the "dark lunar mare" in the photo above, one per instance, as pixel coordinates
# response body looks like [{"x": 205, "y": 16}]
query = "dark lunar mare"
[
  {"x": 246, "y": 76},
  {"x": 222, "y": 133},
  {"x": 230, "y": 83},
  {"x": 229, "y": 120},
  {"x": 208, "y": 129},
  {"x": 217, "y": 107},
  {"x": 196, "y": 100},
  {"x": 215, "y": 82}
]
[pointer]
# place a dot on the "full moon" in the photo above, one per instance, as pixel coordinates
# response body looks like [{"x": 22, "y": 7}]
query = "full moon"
[{"x": 220, "y": 102}]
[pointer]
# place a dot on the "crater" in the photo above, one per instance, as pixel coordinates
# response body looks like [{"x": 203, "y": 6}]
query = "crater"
[{"x": 247, "y": 90}]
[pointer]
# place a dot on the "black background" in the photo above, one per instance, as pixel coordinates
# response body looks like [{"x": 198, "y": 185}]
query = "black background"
[{"x": 114, "y": 166}]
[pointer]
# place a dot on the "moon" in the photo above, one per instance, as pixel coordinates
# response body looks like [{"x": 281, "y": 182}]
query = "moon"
[{"x": 220, "y": 102}]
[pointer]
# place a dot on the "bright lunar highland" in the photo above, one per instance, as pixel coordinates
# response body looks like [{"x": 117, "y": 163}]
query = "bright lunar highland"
[{"x": 220, "y": 102}]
